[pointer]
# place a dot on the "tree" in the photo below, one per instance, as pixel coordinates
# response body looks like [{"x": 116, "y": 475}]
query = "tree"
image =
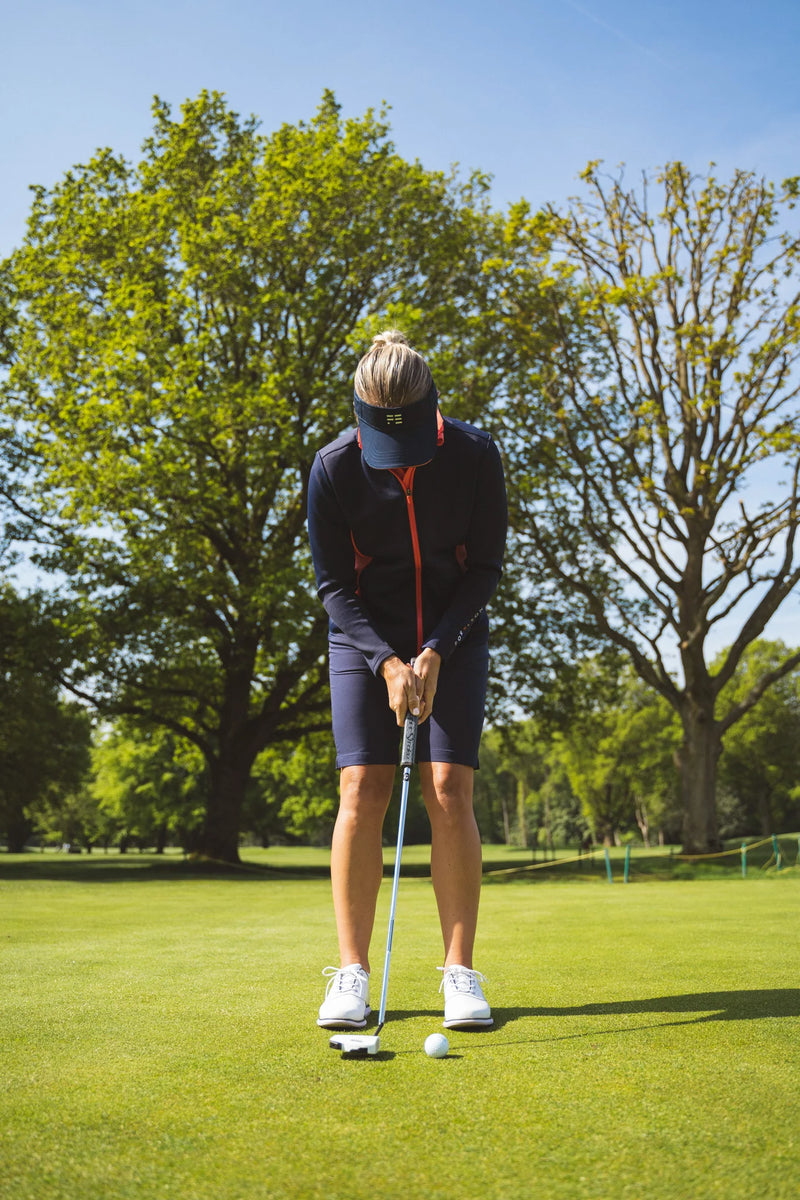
[
  {"x": 44, "y": 740},
  {"x": 760, "y": 762},
  {"x": 495, "y": 795},
  {"x": 619, "y": 753},
  {"x": 297, "y": 790},
  {"x": 70, "y": 818},
  {"x": 147, "y": 785},
  {"x": 523, "y": 757},
  {"x": 186, "y": 330},
  {"x": 668, "y": 437},
  {"x": 522, "y": 791}
]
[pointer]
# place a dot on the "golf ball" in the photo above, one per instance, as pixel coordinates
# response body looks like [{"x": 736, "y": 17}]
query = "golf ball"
[{"x": 436, "y": 1045}]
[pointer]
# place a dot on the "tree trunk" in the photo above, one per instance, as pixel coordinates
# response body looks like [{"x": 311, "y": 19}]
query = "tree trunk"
[
  {"x": 237, "y": 744},
  {"x": 765, "y": 810},
  {"x": 522, "y": 821},
  {"x": 640, "y": 813},
  {"x": 18, "y": 830},
  {"x": 548, "y": 829},
  {"x": 219, "y": 838},
  {"x": 699, "y": 755}
]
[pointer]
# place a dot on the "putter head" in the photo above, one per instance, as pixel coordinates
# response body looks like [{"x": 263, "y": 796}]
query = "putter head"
[{"x": 354, "y": 1045}]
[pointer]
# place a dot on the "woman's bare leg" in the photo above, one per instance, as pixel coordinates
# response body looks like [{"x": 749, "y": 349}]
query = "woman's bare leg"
[
  {"x": 456, "y": 858},
  {"x": 357, "y": 857}
]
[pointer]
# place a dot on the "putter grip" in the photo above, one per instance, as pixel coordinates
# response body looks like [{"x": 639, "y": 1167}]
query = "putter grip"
[{"x": 409, "y": 741}]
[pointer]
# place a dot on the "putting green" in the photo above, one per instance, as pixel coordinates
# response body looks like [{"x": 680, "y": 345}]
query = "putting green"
[{"x": 157, "y": 1038}]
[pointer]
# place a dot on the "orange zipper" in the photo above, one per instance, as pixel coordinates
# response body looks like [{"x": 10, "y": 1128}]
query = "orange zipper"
[{"x": 406, "y": 479}]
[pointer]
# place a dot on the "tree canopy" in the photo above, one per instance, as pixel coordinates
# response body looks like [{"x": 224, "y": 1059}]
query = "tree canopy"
[
  {"x": 186, "y": 332},
  {"x": 669, "y": 436}
]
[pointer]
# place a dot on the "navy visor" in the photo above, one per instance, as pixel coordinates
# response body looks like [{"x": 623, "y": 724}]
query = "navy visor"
[{"x": 398, "y": 437}]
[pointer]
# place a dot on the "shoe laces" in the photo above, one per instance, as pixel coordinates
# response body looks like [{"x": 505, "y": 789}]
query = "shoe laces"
[
  {"x": 461, "y": 979},
  {"x": 345, "y": 979}
]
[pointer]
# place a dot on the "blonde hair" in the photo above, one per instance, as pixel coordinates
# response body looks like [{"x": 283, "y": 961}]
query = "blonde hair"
[{"x": 392, "y": 374}]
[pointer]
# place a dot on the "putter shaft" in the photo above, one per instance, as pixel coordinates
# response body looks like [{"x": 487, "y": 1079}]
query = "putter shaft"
[{"x": 406, "y": 761}]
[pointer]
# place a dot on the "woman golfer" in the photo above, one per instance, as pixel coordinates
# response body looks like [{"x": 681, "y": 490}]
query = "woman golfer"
[{"x": 407, "y": 522}]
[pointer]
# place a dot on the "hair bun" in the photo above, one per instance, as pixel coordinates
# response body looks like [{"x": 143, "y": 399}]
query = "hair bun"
[
  {"x": 391, "y": 373},
  {"x": 390, "y": 337}
]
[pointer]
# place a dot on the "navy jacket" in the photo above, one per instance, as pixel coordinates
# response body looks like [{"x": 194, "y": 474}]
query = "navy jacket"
[{"x": 408, "y": 559}]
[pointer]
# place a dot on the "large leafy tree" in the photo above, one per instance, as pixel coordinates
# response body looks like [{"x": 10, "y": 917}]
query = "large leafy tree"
[
  {"x": 185, "y": 331},
  {"x": 662, "y": 490}
]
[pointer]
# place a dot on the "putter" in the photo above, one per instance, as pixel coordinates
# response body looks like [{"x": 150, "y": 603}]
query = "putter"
[{"x": 360, "y": 1045}]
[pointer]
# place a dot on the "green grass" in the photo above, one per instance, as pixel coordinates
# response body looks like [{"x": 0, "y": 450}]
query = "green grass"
[{"x": 157, "y": 1038}]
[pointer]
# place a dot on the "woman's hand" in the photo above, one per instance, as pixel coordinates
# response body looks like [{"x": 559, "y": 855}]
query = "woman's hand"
[
  {"x": 426, "y": 668},
  {"x": 402, "y": 686},
  {"x": 411, "y": 689}
]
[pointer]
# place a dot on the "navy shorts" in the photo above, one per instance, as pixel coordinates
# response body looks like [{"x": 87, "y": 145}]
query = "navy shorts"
[{"x": 365, "y": 729}]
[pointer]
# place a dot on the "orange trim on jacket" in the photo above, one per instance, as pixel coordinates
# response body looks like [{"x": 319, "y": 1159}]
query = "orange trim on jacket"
[
  {"x": 362, "y": 561},
  {"x": 406, "y": 478}
]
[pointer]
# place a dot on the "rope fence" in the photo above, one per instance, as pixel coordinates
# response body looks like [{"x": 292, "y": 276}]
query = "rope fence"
[{"x": 777, "y": 861}]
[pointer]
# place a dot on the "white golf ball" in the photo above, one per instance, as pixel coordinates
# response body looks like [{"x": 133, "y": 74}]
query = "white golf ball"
[{"x": 436, "y": 1045}]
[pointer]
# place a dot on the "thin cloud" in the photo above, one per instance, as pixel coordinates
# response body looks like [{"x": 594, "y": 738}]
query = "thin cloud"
[{"x": 618, "y": 33}]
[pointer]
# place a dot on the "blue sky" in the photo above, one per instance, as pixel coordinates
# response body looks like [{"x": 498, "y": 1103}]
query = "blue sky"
[{"x": 527, "y": 91}]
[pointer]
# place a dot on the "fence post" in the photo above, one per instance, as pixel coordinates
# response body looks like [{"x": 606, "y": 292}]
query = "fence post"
[
  {"x": 608, "y": 865},
  {"x": 627, "y": 861},
  {"x": 744, "y": 860},
  {"x": 777, "y": 849}
]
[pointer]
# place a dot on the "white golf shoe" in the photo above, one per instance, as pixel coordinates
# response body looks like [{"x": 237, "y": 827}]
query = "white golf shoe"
[
  {"x": 465, "y": 1005},
  {"x": 346, "y": 1003}
]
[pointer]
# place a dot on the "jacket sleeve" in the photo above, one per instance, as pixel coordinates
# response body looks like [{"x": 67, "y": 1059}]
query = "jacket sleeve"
[
  {"x": 484, "y": 546},
  {"x": 333, "y": 555}
]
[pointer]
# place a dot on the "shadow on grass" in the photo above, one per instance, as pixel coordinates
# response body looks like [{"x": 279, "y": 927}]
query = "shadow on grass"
[
  {"x": 715, "y": 1006},
  {"x": 134, "y": 868},
  {"x": 502, "y": 1017},
  {"x": 696, "y": 1008},
  {"x": 139, "y": 868}
]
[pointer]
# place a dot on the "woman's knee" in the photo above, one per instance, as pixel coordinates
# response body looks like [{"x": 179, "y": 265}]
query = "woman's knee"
[
  {"x": 365, "y": 791},
  {"x": 448, "y": 791}
]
